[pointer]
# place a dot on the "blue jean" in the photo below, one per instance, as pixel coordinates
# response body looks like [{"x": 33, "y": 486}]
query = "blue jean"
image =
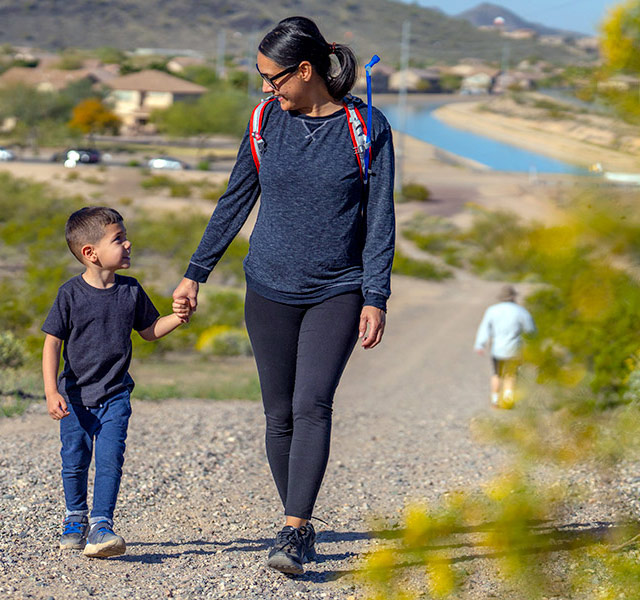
[{"x": 106, "y": 427}]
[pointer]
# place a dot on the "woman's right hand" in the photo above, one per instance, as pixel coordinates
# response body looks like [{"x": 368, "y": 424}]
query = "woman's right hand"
[{"x": 188, "y": 289}]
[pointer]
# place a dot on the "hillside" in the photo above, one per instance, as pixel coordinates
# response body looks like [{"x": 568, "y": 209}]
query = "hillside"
[
  {"x": 374, "y": 27},
  {"x": 484, "y": 14}
]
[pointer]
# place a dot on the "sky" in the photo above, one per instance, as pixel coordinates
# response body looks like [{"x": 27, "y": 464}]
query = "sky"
[{"x": 575, "y": 15}]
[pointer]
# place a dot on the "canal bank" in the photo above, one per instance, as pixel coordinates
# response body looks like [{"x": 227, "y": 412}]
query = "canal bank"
[
  {"x": 421, "y": 122},
  {"x": 575, "y": 141},
  {"x": 559, "y": 140}
]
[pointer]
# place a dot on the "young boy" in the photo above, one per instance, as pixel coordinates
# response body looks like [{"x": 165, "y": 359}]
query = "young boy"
[{"x": 93, "y": 316}]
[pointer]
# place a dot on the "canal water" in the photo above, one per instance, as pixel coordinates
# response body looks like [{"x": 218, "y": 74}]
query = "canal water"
[{"x": 422, "y": 124}]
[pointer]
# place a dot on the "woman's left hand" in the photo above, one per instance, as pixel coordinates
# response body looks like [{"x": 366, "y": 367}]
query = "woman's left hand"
[{"x": 371, "y": 328}]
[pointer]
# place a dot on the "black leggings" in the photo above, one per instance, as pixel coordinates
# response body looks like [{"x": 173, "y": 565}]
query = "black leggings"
[{"x": 301, "y": 352}]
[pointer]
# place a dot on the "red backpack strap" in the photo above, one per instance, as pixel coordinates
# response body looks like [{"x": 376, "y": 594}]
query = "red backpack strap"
[
  {"x": 358, "y": 131},
  {"x": 257, "y": 142}
]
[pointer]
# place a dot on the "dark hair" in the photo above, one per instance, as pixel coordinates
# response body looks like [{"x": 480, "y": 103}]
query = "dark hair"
[
  {"x": 296, "y": 39},
  {"x": 86, "y": 226}
]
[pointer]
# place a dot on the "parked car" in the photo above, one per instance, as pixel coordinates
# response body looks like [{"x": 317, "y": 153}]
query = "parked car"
[
  {"x": 168, "y": 162},
  {"x": 6, "y": 154},
  {"x": 72, "y": 156}
]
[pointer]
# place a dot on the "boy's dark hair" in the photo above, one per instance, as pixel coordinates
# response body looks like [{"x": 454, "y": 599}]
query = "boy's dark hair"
[
  {"x": 86, "y": 226},
  {"x": 296, "y": 39}
]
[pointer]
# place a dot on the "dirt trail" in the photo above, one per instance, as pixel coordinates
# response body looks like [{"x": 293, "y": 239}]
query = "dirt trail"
[{"x": 197, "y": 504}]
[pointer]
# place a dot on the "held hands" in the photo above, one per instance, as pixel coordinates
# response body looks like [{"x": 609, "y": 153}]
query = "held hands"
[
  {"x": 56, "y": 406},
  {"x": 182, "y": 309},
  {"x": 372, "y": 321},
  {"x": 187, "y": 290}
]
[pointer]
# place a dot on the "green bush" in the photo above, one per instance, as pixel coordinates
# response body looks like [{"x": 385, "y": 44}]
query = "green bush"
[
  {"x": 12, "y": 351},
  {"x": 414, "y": 192},
  {"x": 234, "y": 342},
  {"x": 436, "y": 236},
  {"x": 176, "y": 188},
  {"x": 214, "y": 192},
  {"x": 422, "y": 269},
  {"x": 219, "y": 112},
  {"x": 224, "y": 340}
]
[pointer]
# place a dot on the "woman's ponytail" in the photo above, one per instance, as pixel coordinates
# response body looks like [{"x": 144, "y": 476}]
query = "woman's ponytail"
[{"x": 341, "y": 83}]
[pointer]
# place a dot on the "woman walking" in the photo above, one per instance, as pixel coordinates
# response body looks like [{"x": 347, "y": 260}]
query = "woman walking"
[{"x": 319, "y": 261}]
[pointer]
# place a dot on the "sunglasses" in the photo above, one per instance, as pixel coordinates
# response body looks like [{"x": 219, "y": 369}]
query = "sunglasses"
[{"x": 271, "y": 81}]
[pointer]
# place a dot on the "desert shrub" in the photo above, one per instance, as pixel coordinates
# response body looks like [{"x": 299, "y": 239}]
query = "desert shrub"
[
  {"x": 436, "y": 236},
  {"x": 210, "y": 192},
  {"x": 413, "y": 192},
  {"x": 422, "y": 269},
  {"x": 222, "y": 111},
  {"x": 12, "y": 351},
  {"x": 224, "y": 340},
  {"x": 178, "y": 189}
]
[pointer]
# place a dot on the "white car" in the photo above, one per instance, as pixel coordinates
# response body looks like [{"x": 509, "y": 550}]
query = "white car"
[
  {"x": 6, "y": 154},
  {"x": 167, "y": 162}
]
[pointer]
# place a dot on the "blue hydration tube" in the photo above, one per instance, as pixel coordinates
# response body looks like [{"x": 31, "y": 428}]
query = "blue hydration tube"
[{"x": 367, "y": 157}]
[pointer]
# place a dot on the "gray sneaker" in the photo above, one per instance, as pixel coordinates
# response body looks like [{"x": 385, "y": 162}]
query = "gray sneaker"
[
  {"x": 102, "y": 542},
  {"x": 74, "y": 532}
]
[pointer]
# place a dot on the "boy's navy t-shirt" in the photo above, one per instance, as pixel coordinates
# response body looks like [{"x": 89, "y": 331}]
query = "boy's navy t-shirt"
[{"x": 95, "y": 325}]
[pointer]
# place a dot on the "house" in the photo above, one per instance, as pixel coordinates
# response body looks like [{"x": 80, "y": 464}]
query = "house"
[
  {"x": 136, "y": 95},
  {"x": 45, "y": 80},
  {"x": 478, "y": 83},
  {"x": 380, "y": 75},
  {"x": 416, "y": 80},
  {"x": 521, "y": 34},
  {"x": 514, "y": 80},
  {"x": 179, "y": 63}
]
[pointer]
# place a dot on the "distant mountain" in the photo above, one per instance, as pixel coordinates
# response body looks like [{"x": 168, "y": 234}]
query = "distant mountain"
[
  {"x": 485, "y": 13},
  {"x": 371, "y": 27}
]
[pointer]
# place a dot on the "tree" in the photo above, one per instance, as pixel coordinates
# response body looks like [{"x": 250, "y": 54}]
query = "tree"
[
  {"x": 224, "y": 112},
  {"x": 32, "y": 108},
  {"x": 92, "y": 116},
  {"x": 620, "y": 42}
]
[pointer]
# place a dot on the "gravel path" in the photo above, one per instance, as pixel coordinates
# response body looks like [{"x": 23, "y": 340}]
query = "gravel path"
[{"x": 197, "y": 505}]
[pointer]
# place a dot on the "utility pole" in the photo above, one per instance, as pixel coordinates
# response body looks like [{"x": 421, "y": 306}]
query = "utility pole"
[
  {"x": 402, "y": 106},
  {"x": 251, "y": 53},
  {"x": 222, "y": 49},
  {"x": 499, "y": 23}
]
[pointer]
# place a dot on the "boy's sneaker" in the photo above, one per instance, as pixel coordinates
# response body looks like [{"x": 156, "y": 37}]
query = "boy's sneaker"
[
  {"x": 102, "y": 542},
  {"x": 74, "y": 532},
  {"x": 308, "y": 534},
  {"x": 288, "y": 552}
]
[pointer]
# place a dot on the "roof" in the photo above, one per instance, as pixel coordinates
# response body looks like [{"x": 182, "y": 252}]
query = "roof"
[
  {"x": 56, "y": 79},
  {"x": 154, "y": 81}
]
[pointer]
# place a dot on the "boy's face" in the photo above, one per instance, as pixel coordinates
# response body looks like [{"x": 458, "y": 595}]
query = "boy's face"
[{"x": 113, "y": 251}]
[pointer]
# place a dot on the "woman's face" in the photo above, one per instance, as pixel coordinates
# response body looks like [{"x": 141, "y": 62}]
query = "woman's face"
[{"x": 287, "y": 85}]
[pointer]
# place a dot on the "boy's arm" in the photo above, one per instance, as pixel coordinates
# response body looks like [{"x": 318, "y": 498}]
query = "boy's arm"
[
  {"x": 56, "y": 404},
  {"x": 161, "y": 327}
]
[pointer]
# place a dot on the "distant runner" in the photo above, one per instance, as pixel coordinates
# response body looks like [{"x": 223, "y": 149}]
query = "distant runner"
[{"x": 501, "y": 329}]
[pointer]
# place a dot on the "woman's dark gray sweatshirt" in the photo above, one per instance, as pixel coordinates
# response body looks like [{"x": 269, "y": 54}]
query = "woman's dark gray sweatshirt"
[{"x": 317, "y": 235}]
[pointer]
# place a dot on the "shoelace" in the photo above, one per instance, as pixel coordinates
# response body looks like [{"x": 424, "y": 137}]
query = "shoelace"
[
  {"x": 288, "y": 541},
  {"x": 73, "y": 527},
  {"x": 106, "y": 528}
]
